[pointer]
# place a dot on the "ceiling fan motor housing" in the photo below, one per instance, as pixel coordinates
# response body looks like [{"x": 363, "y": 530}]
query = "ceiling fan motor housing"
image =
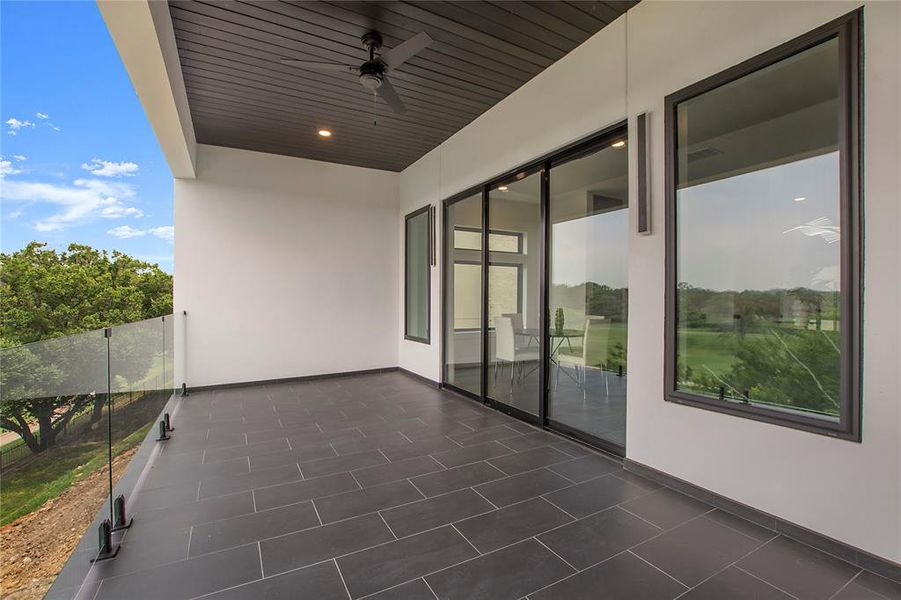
[{"x": 371, "y": 74}]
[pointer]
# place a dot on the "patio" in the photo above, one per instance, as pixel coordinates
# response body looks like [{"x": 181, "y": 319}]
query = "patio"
[{"x": 381, "y": 486}]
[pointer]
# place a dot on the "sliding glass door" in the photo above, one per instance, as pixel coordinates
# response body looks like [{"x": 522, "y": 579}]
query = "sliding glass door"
[
  {"x": 463, "y": 294},
  {"x": 514, "y": 361},
  {"x": 588, "y": 293},
  {"x": 536, "y": 293}
]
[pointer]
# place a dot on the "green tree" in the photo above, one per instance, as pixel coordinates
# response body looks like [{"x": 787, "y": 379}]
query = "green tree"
[{"x": 50, "y": 296}]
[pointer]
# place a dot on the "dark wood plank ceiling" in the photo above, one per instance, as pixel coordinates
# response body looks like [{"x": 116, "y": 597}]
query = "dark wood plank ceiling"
[{"x": 241, "y": 96}]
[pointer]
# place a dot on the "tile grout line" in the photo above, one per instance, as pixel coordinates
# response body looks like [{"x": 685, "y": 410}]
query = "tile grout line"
[
  {"x": 430, "y": 588},
  {"x": 571, "y": 516},
  {"x": 733, "y": 563},
  {"x": 424, "y": 497},
  {"x": 188, "y": 549},
  {"x": 260, "y": 553},
  {"x": 620, "y": 506},
  {"x": 568, "y": 564},
  {"x": 382, "y": 517},
  {"x": 496, "y": 507},
  {"x": 839, "y": 589},
  {"x": 571, "y": 575},
  {"x": 341, "y": 575},
  {"x": 316, "y": 510},
  {"x": 779, "y": 588},
  {"x": 687, "y": 587},
  {"x": 460, "y": 533}
]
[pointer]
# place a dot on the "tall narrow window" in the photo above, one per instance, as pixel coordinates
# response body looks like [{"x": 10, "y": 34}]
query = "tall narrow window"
[
  {"x": 763, "y": 226},
  {"x": 417, "y": 244}
]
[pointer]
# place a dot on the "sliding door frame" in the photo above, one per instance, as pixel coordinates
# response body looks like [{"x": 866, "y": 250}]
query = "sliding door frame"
[{"x": 578, "y": 149}]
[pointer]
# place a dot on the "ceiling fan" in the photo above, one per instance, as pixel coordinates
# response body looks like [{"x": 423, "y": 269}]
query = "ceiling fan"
[{"x": 373, "y": 72}]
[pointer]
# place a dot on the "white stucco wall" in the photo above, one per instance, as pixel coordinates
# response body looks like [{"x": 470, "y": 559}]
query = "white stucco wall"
[
  {"x": 287, "y": 267},
  {"x": 846, "y": 490}
]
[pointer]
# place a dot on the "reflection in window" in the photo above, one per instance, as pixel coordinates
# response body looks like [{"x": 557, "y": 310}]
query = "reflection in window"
[
  {"x": 463, "y": 294},
  {"x": 757, "y": 238},
  {"x": 416, "y": 274},
  {"x": 588, "y": 293},
  {"x": 471, "y": 239},
  {"x": 514, "y": 219}
]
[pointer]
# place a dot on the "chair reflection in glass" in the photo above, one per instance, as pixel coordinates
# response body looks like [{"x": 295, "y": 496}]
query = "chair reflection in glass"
[
  {"x": 507, "y": 351},
  {"x": 594, "y": 342},
  {"x": 518, "y": 331}
]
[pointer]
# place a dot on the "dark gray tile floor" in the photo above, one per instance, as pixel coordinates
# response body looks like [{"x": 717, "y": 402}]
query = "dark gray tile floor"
[{"x": 378, "y": 486}]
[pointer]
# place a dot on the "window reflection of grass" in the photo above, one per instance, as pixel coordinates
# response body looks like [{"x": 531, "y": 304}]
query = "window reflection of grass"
[{"x": 778, "y": 365}]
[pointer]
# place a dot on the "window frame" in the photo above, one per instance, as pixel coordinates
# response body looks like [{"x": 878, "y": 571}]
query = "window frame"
[
  {"x": 848, "y": 30},
  {"x": 428, "y": 261}
]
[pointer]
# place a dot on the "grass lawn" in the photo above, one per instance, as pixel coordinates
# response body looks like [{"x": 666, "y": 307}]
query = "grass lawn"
[
  {"x": 26, "y": 489},
  {"x": 710, "y": 349}
]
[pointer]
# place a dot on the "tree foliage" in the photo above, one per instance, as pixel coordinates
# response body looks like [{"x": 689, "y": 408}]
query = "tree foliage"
[
  {"x": 780, "y": 353},
  {"x": 50, "y": 296}
]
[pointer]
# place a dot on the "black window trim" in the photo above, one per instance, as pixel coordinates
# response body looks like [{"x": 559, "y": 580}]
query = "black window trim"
[
  {"x": 428, "y": 328},
  {"x": 848, "y": 30}
]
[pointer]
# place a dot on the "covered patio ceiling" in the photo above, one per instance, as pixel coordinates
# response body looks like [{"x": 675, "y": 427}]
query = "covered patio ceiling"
[{"x": 241, "y": 95}]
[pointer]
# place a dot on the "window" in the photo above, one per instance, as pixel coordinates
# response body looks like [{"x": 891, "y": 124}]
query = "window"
[
  {"x": 417, "y": 273},
  {"x": 763, "y": 230}
]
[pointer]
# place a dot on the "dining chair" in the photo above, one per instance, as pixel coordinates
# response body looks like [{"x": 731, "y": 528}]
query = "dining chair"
[
  {"x": 595, "y": 336},
  {"x": 505, "y": 349},
  {"x": 518, "y": 327}
]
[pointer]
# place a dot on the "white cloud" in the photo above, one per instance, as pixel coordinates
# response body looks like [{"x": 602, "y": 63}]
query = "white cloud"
[
  {"x": 15, "y": 125},
  {"x": 165, "y": 232},
  {"x": 82, "y": 201},
  {"x": 105, "y": 168},
  {"x": 20, "y": 157},
  {"x": 41, "y": 115},
  {"x": 7, "y": 168},
  {"x": 117, "y": 211},
  {"x": 126, "y": 231}
]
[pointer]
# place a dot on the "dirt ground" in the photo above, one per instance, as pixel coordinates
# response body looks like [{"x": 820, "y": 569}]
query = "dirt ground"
[{"x": 34, "y": 547}]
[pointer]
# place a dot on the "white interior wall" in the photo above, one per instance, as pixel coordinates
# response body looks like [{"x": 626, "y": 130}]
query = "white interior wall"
[
  {"x": 287, "y": 267},
  {"x": 843, "y": 489}
]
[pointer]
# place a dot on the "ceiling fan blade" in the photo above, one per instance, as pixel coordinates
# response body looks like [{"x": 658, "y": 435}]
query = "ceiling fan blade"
[
  {"x": 319, "y": 65},
  {"x": 402, "y": 53},
  {"x": 389, "y": 95}
]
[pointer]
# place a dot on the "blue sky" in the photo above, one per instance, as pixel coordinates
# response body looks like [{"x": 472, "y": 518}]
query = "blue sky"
[{"x": 80, "y": 162}]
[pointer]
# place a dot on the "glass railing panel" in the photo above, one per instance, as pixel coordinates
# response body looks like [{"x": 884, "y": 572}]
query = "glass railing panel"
[
  {"x": 54, "y": 450},
  {"x": 75, "y": 411},
  {"x": 141, "y": 379}
]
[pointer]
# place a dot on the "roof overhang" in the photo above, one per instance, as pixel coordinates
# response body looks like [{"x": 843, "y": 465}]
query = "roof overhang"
[{"x": 143, "y": 34}]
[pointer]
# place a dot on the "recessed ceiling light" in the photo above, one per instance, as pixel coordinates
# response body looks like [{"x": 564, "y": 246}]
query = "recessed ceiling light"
[
  {"x": 502, "y": 188},
  {"x": 618, "y": 144},
  {"x": 800, "y": 199},
  {"x": 325, "y": 133}
]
